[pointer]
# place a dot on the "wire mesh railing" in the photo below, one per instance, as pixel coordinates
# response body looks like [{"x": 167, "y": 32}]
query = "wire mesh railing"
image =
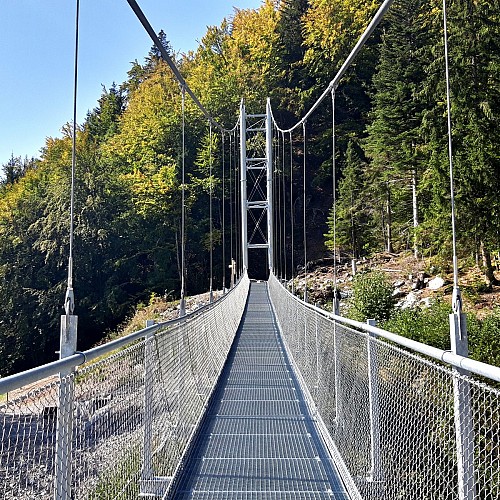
[
  {"x": 390, "y": 414},
  {"x": 131, "y": 411}
]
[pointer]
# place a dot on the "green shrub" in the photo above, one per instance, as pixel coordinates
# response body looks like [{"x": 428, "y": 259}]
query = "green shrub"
[
  {"x": 372, "y": 297},
  {"x": 484, "y": 338},
  {"x": 430, "y": 326}
]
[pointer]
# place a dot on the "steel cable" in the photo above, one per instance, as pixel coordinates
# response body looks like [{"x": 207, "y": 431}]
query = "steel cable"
[
  {"x": 69, "y": 301},
  {"x": 182, "y": 310},
  {"x": 304, "y": 209}
]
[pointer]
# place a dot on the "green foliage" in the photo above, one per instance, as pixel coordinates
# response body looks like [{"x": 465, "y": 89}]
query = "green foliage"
[
  {"x": 331, "y": 27},
  {"x": 390, "y": 134},
  {"x": 394, "y": 141},
  {"x": 484, "y": 338},
  {"x": 429, "y": 325},
  {"x": 15, "y": 169},
  {"x": 103, "y": 121},
  {"x": 372, "y": 297},
  {"x": 351, "y": 220}
]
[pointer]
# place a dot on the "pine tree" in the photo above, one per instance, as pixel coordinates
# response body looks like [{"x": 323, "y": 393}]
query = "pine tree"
[
  {"x": 154, "y": 55},
  {"x": 12, "y": 170},
  {"x": 290, "y": 51},
  {"x": 103, "y": 121},
  {"x": 475, "y": 59},
  {"x": 394, "y": 138},
  {"x": 353, "y": 230}
]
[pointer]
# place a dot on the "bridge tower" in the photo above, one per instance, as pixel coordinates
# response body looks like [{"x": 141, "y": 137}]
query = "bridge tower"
[{"x": 256, "y": 185}]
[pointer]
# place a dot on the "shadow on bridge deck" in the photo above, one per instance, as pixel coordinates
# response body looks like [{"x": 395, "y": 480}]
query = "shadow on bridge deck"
[{"x": 258, "y": 439}]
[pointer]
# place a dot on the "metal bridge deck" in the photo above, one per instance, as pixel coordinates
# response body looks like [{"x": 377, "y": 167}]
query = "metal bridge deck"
[{"x": 258, "y": 439}]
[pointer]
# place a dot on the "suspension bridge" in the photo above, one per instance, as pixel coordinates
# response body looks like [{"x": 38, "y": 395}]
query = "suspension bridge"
[{"x": 259, "y": 394}]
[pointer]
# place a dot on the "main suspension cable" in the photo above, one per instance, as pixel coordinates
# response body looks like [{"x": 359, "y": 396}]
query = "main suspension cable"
[
  {"x": 345, "y": 66},
  {"x": 147, "y": 26}
]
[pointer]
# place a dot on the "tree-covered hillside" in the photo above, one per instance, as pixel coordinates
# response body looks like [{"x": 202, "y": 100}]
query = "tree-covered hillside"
[{"x": 391, "y": 156}]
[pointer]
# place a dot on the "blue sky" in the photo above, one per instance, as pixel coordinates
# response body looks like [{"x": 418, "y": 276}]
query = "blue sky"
[{"x": 37, "y": 56}]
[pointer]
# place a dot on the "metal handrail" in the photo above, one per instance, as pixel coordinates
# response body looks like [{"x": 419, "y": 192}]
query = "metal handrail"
[
  {"x": 447, "y": 357},
  {"x": 18, "y": 380}
]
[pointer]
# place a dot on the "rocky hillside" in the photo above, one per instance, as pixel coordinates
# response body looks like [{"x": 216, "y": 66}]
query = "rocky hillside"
[{"x": 415, "y": 282}]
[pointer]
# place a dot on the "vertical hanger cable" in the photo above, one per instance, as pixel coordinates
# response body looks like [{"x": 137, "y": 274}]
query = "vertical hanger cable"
[
  {"x": 210, "y": 210},
  {"x": 183, "y": 207},
  {"x": 292, "y": 270},
  {"x": 69, "y": 301},
  {"x": 223, "y": 201},
  {"x": 304, "y": 210}
]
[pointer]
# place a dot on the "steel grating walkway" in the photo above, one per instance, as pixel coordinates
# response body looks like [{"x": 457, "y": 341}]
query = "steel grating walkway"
[{"x": 258, "y": 439}]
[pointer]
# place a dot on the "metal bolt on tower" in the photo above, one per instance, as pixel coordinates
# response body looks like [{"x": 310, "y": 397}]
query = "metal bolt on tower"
[{"x": 256, "y": 182}]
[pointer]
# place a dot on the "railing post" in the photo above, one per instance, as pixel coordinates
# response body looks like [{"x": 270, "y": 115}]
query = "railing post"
[
  {"x": 182, "y": 305},
  {"x": 65, "y": 409},
  {"x": 375, "y": 474},
  {"x": 464, "y": 425},
  {"x": 336, "y": 302},
  {"x": 147, "y": 460},
  {"x": 233, "y": 272}
]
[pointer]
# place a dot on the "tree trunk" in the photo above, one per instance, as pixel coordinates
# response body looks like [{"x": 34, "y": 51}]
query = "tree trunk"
[
  {"x": 389, "y": 223},
  {"x": 353, "y": 233},
  {"x": 415, "y": 211},
  {"x": 382, "y": 216},
  {"x": 476, "y": 251},
  {"x": 488, "y": 267}
]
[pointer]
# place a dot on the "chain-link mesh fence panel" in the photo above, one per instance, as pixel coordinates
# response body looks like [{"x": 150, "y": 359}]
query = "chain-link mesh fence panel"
[
  {"x": 28, "y": 443},
  {"x": 130, "y": 413},
  {"x": 391, "y": 413}
]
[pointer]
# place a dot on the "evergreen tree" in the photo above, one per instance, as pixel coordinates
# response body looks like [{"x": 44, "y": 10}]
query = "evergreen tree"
[
  {"x": 16, "y": 168},
  {"x": 475, "y": 61},
  {"x": 394, "y": 138},
  {"x": 154, "y": 55},
  {"x": 136, "y": 75},
  {"x": 290, "y": 49},
  {"x": 353, "y": 231},
  {"x": 103, "y": 121},
  {"x": 474, "y": 48}
]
